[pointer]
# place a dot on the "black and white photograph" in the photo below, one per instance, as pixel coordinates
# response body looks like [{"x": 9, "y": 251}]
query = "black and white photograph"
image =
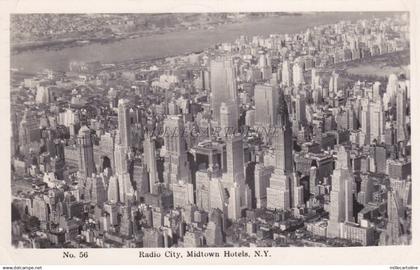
[
  {"x": 209, "y": 135},
  {"x": 210, "y": 130}
]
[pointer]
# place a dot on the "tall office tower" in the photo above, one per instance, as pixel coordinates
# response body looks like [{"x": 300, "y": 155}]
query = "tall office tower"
[
  {"x": 125, "y": 187},
  {"x": 214, "y": 230},
  {"x": 113, "y": 190},
  {"x": 391, "y": 91},
  {"x": 150, "y": 161},
  {"x": 112, "y": 210},
  {"x": 377, "y": 94},
  {"x": 313, "y": 180},
  {"x": 333, "y": 86},
  {"x": 202, "y": 182},
  {"x": 121, "y": 159},
  {"x": 351, "y": 118},
  {"x": 183, "y": 194},
  {"x": 341, "y": 196},
  {"x": 228, "y": 117},
  {"x": 315, "y": 79},
  {"x": 401, "y": 114},
  {"x": 176, "y": 161},
  {"x": 217, "y": 198},
  {"x": 250, "y": 118},
  {"x": 365, "y": 121},
  {"x": 286, "y": 73},
  {"x": 126, "y": 225},
  {"x": 235, "y": 160},
  {"x": 43, "y": 95},
  {"x": 283, "y": 141},
  {"x": 279, "y": 193},
  {"x": 124, "y": 126},
  {"x": 394, "y": 231},
  {"x": 262, "y": 178},
  {"x": 86, "y": 161},
  {"x": 262, "y": 61},
  {"x": 301, "y": 109},
  {"x": 266, "y": 102},
  {"x": 365, "y": 194},
  {"x": 377, "y": 120},
  {"x": 98, "y": 190},
  {"x": 234, "y": 179},
  {"x": 297, "y": 191},
  {"x": 29, "y": 129},
  {"x": 298, "y": 74},
  {"x": 223, "y": 85}
]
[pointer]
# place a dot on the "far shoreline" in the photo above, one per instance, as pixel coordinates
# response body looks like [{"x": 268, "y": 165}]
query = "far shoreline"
[{"x": 63, "y": 43}]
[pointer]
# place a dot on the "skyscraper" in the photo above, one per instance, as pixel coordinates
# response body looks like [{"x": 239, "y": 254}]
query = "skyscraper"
[
  {"x": 234, "y": 179},
  {"x": 365, "y": 121},
  {"x": 228, "y": 118},
  {"x": 298, "y": 74},
  {"x": 401, "y": 113},
  {"x": 300, "y": 109},
  {"x": 394, "y": 228},
  {"x": 333, "y": 86},
  {"x": 150, "y": 161},
  {"x": 377, "y": 120},
  {"x": 29, "y": 129},
  {"x": 279, "y": 193},
  {"x": 99, "y": 194},
  {"x": 286, "y": 73},
  {"x": 86, "y": 161},
  {"x": 266, "y": 102},
  {"x": 176, "y": 162},
  {"x": 235, "y": 159},
  {"x": 124, "y": 125},
  {"x": 121, "y": 159},
  {"x": 341, "y": 202},
  {"x": 262, "y": 178},
  {"x": 113, "y": 190},
  {"x": 391, "y": 91},
  {"x": 283, "y": 146},
  {"x": 223, "y": 85}
]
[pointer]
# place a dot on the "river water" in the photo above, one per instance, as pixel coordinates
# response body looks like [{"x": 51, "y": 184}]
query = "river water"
[{"x": 175, "y": 43}]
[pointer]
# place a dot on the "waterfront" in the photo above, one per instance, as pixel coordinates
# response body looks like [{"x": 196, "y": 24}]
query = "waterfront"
[{"x": 173, "y": 43}]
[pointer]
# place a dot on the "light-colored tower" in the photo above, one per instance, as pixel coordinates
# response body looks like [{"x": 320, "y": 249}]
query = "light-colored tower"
[
  {"x": 176, "y": 162},
  {"x": 301, "y": 109},
  {"x": 278, "y": 193},
  {"x": 234, "y": 179},
  {"x": 223, "y": 84},
  {"x": 150, "y": 161},
  {"x": 298, "y": 74},
  {"x": 86, "y": 161},
  {"x": 228, "y": 117},
  {"x": 262, "y": 178},
  {"x": 365, "y": 121},
  {"x": 266, "y": 102},
  {"x": 124, "y": 122},
  {"x": 341, "y": 198},
  {"x": 286, "y": 74},
  {"x": 377, "y": 120},
  {"x": 401, "y": 113},
  {"x": 113, "y": 190},
  {"x": 333, "y": 86}
]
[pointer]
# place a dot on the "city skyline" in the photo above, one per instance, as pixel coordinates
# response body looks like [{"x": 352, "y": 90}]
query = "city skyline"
[{"x": 266, "y": 141}]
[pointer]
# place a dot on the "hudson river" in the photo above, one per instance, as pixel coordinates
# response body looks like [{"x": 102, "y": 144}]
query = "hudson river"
[{"x": 175, "y": 43}]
